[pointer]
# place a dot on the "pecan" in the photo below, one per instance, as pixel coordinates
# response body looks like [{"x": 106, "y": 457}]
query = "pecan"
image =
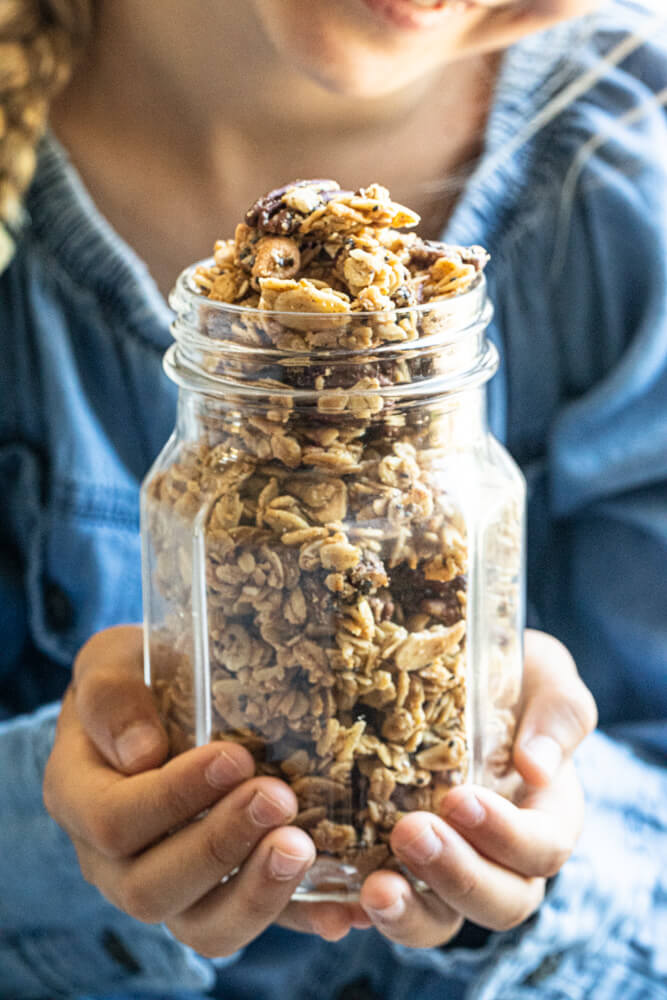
[{"x": 271, "y": 214}]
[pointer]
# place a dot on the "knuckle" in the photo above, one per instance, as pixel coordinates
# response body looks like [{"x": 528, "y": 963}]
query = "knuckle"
[
  {"x": 522, "y": 909},
  {"x": 261, "y": 906},
  {"x": 176, "y": 800},
  {"x": 580, "y": 711},
  {"x": 136, "y": 899},
  {"x": 99, "y": 696},
  {"x": 556, "y": 858},
  {"x": 207, "y": 941},
  {"x": 106, "y": 832},
  {"x": 209, "y": 947},
  {"x": 569, "y": 714},
  {"x": 119, "y": 640},
  {"x": 219, "y": 852},
  {"x": 463, "y": 884}
]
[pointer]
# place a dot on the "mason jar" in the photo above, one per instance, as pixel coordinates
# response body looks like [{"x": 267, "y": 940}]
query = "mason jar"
[{"x": 333, "y": 562}]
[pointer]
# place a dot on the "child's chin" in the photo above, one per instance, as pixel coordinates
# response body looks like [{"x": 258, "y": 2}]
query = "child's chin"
[
  {"x": 345, "y": 48},
  {"x": 363, "y": 85},
  {"x": 359, "y": 69}
]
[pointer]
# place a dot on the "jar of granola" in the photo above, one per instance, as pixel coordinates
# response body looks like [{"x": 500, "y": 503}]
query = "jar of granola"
[{"x": 332, "y": 539}]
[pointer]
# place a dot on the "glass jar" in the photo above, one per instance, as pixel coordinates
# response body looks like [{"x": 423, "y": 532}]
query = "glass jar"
[{"x": 333, "y": 562}]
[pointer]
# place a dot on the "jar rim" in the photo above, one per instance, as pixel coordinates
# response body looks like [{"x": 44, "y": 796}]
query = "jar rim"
[
  {"x": 185, "y": 294},
  {"x": 193, "y": 359}
]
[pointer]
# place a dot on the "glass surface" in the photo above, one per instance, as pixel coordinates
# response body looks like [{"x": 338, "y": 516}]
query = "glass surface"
[{"x": 333, "y": 564}]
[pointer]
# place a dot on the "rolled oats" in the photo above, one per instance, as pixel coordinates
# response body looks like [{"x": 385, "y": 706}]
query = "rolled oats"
[{"x": 334, "y": 562}]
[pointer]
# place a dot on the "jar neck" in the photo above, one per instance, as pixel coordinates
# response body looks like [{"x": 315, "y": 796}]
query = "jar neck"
[
  {"x": 452, "y": 421},
  {"x": 412, "y": 353},
  {"x": 325, "y": 387}
]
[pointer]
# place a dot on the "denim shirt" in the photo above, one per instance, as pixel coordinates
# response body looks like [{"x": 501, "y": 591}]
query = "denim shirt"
[{"x": 575, "y": 218}]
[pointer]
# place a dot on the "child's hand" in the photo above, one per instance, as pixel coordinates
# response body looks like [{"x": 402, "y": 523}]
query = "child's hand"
[
  {"x": 491, "y": 872},
  {"x": 119, "y": 822},
  {"x": 487, "y": 860}
]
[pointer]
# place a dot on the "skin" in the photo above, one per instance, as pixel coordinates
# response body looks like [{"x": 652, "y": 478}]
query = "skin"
[
  {"x": 337, "y": 93},
  {"x": 126, "y": 802},
  {"x": 366, "y": 102}
]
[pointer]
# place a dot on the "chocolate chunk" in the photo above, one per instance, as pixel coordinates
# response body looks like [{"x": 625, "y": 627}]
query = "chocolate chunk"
[{"x": 434, "y": 597}]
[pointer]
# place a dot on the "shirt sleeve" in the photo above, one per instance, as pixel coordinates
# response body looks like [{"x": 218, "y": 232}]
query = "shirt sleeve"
[
  {"x": 601, "y": 580},
  {"x": 58, "y": 935}
]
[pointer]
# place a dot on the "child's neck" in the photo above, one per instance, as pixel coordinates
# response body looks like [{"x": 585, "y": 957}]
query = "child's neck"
[{"x": 173, "y": 156}]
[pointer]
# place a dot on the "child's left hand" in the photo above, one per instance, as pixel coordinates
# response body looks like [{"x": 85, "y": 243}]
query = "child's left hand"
[{"x": 485, "y": 859}]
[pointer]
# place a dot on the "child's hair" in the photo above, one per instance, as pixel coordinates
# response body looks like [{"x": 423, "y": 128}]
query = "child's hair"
[{"x": 39, "y": 41}]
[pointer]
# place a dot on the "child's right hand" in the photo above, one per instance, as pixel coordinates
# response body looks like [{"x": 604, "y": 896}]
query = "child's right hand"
[{"x": 107, "y": 786}]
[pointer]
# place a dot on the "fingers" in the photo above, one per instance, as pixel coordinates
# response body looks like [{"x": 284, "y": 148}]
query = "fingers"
[
  {"x": 535, "y": 841},
  {"x": 129, "y": 835},
  {"x": 177, "y": 872},
  {"x": 233, "y": 914},
  {"x": 121, "y": 815},
  {"x": 418, "y": 920},
  {"x": 116, "y": 708},
  {"x": 559, "y": 710},
  {"x": 472, "y": 885},
  {"x": 488, "y": 861},
  {"x": 331, "y": 921}
]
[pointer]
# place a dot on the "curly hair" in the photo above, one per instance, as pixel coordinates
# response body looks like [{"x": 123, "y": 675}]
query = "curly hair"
[{"x": 39, "y": 43}]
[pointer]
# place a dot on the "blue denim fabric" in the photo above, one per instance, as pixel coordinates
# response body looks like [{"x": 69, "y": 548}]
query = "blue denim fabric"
[{"x": 580, "y": 290}]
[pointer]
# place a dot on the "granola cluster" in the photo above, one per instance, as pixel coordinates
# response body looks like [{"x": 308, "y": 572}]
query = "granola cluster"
[
  {"x": 333, "y": 562},
  {"x": 311, "y": 248}
]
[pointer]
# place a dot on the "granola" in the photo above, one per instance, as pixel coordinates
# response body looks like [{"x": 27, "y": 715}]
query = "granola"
[{"x": 334, "y": 562}]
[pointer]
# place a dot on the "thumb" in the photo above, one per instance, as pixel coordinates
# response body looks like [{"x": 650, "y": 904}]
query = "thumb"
[
  {"x": 558, "y": 710},
  {"x": 115, "y": 706}
]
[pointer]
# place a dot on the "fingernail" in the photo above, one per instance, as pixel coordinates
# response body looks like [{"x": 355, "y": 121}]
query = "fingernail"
[
  {"x": 285, "y": 866},
  {"x": 422, "y": 848},
  {"x": 468, "y": 811},
  {"x": 137, "y": 741},
  {"x": 223, "y": 771},
  {"x": 387, "y": 914},
  {"x": 545, "y": 752},
  {"x": 266, "y": 811}
]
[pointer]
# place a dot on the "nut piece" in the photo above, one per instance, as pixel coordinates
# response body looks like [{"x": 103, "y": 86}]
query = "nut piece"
[
  {"x": 275, "y": 257},
  {"x": 282, "y": 210}
]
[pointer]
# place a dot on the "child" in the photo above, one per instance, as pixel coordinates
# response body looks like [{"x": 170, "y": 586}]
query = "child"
[{"x": 534, "y": 129}]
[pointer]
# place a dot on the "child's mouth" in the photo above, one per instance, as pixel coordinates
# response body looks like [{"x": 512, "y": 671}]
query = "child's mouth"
[
  {"x": 416, "y": 14},
  {"x": 421, "y": 14}
]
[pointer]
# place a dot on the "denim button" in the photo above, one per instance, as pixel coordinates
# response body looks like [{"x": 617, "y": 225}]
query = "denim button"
[
  {"x": 57, "y": 607},
  {"x": 360, "y": 989}
]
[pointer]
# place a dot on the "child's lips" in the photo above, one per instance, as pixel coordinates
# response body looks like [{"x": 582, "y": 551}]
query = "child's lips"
[
  {"x": 413, "y": 14},
  {"x": 420, "y": 14}
]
